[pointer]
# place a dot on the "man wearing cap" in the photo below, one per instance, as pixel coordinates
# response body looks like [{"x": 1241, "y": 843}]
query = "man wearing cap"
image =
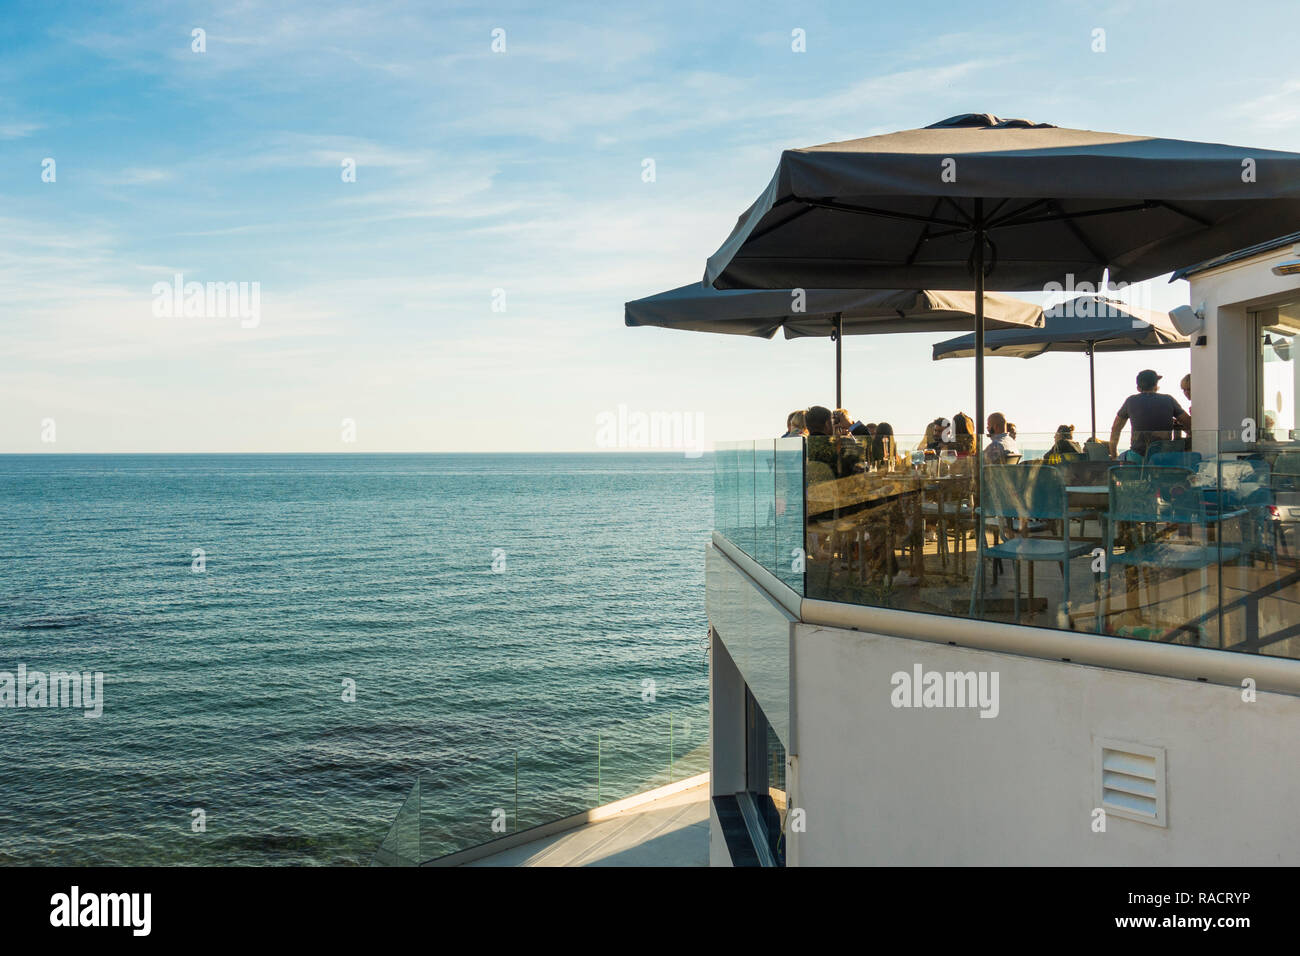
[{"x": 1153, "y": 416}]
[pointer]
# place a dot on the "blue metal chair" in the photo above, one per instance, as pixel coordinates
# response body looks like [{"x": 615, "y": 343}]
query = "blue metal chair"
[
  {"x": 1174, "y": 459},
  {"x": 1153, "y": 497},
  {"x": 1032, "y": 492}
]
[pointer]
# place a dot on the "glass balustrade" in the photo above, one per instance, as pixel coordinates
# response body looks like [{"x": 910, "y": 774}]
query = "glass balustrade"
[
  {"x": 554, "y": 776},
  {"x": 758, "y": 503},
  {"x": 1186, "y": 539}
]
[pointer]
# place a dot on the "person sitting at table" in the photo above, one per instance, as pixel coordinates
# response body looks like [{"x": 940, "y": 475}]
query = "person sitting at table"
[
  {"x": 963, "y": 427},
  {"x": 824, "y": 447},
  {"x": 1063, "y": 444},
  {"x": 842, "y": 422},
  {"x": 933, "y": 440},
  {"x": 1270, "y": 422},
  {"x": 882, "y": 446},
  {"x": 795, "y": 427},
  {"x": 1153, "y": 416},
  {"x": 1002, "y": 443}
]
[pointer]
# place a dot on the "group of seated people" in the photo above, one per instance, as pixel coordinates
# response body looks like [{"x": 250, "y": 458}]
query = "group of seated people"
[{"x": 849, "y": 446}]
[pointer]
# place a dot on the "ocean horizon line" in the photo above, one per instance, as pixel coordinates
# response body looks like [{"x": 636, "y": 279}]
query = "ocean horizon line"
[{"x": 345, "y": 454}]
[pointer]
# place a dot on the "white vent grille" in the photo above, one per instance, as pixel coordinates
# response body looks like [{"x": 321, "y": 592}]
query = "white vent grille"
[{"x": 1131, "y": 781}]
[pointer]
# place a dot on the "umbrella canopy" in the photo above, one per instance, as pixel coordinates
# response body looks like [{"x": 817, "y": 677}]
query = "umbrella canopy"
[
  {"x": 1086, "y": 324},
  {"x": 822, "y": 312},
  {"x": 901, "y": 210},
  {"x": 1089, "y": 323},
  {"x": 761, "y": 312}
]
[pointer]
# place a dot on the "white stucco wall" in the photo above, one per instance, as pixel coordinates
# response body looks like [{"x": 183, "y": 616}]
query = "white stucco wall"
[{"x": 885, "y": 785}]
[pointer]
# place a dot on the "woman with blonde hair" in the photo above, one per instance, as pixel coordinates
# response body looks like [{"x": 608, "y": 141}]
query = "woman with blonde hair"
[
  {"x": 795, "y": 425},
  {"x": 842, "y": 421}
]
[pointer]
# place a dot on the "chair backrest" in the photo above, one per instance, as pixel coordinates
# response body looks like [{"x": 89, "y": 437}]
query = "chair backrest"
[
  {"x": 1174, "y": 459},
  {"x": 1032, "y": 491},
  {"x": 1165, "y": 445},
  {"x": 1096, "y": 450},
  {"x": 1288, "y": 463},
  {"x": 1243, "y": 481},
  {"x": 1286, "y": 473},
  {"x": 1144, "y": 493}
]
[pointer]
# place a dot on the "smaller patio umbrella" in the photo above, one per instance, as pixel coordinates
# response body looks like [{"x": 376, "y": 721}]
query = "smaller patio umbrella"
[
  {"x": 1089, "y": 324},
  {"x": 825, "y": 312}
]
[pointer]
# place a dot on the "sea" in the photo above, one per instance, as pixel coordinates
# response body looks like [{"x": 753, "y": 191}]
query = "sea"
[{"x": 287, "y": 641}]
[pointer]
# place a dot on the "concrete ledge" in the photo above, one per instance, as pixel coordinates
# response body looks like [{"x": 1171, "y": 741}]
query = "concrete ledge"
[
  {"x": 777, "y": 589},
  {"x": 594, "y": 815},
  {"x": 1276, "y": 674}
]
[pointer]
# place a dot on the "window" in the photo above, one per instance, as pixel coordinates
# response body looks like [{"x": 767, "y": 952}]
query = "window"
[
  {"x": 1277, "y": 370},
  {"x": 765, "y": 775}
]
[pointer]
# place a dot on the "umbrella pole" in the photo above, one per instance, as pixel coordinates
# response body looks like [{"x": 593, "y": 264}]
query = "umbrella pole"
[
  {"x": 839, "y": 358},
  {"x": 977, "y": 589},
  {"x": 1092, "y": 387}
]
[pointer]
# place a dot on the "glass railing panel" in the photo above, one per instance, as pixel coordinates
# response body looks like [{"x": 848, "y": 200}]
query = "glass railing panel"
[
  {"x": 1189, "y": 539},
  {"x": 1258, "y": 473},
  {"x": 745, "y": 485},
  {"x": 688, "y": 742},
  {"x": 765, "y": 504},
  {"x": 401, "y": 845},
  {"x": 726, "y": 489},
  {"x": 758, "y": 503},
  {"x": 556, "y": 776},
  {"x": 634, "y": 758},
  {"x": 465, "y": 805},
  {"x": 788, "y": 506},
  {"x": 889, "y": 524}
]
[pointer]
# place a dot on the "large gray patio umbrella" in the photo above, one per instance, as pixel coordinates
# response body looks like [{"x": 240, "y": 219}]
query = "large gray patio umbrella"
[
  {"x": 825, "y": 312},
  {"x": 1088, "y": 324},
  {"x": 975, "y": 199}
]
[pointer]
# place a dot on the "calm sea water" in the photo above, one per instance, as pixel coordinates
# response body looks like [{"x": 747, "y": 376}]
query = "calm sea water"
[{"x": 223, "y": 689}]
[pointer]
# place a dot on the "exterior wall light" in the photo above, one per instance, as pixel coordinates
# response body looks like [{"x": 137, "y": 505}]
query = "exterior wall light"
[{"x": 1187, "y": 321}]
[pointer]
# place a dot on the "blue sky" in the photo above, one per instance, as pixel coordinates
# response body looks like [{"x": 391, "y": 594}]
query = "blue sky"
[{"x": 519, "y": 171}]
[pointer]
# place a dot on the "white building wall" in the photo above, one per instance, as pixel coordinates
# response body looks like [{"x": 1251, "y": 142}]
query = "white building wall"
[
  {"x": 1223, "y": 368},
  {"x": 886, "y": 785}
]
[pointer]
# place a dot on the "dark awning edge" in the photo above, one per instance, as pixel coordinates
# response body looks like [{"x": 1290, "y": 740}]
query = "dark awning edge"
[{"x": 1246, "y": 253}]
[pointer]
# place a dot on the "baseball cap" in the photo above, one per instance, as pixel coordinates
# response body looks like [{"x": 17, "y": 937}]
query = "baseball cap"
[{"x": 1147, "y": 378}]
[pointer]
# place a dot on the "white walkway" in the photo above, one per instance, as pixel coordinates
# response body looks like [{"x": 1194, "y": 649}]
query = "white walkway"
[{"x": 672, "y": 831}]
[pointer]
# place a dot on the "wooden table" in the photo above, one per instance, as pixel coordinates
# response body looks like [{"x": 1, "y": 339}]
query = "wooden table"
[{"x": 842, "y": 497}]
